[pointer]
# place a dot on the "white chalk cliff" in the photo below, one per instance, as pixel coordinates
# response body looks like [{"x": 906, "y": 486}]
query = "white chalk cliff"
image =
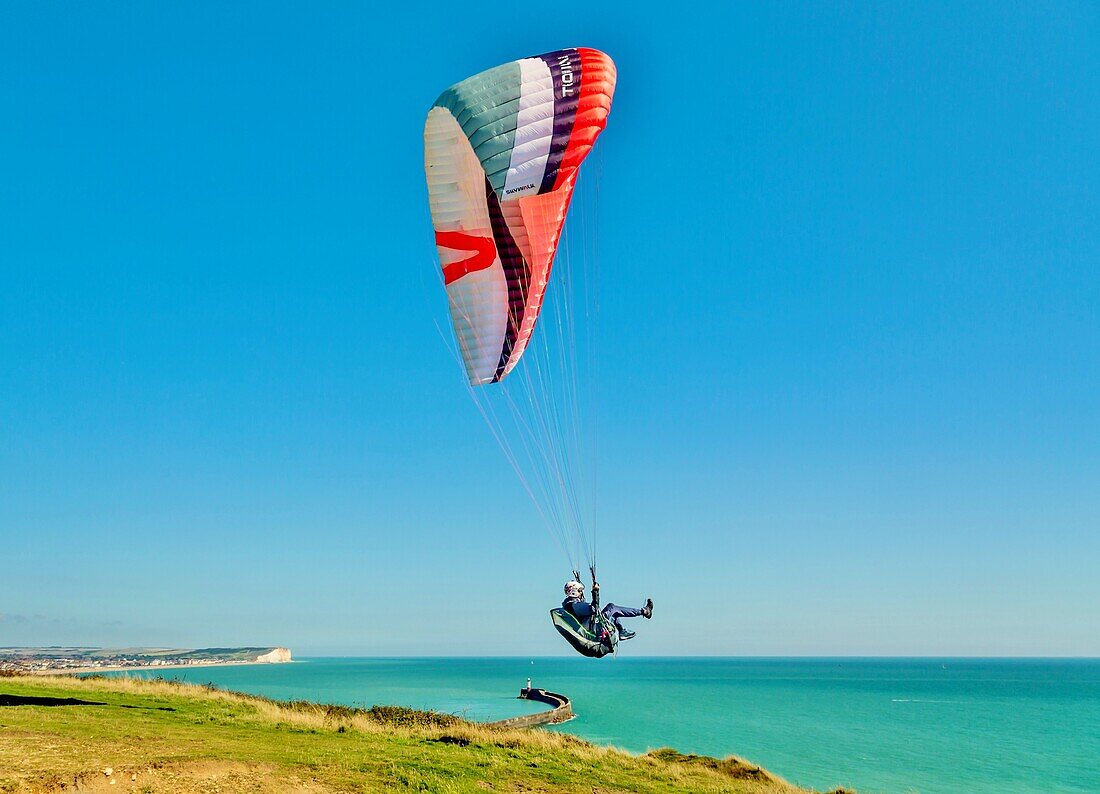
[{"x": 275, "y": 655}]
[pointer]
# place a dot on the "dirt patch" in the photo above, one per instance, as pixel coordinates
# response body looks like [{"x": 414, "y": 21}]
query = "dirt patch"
[
  {"x": 730, "y": 767},
  {"x": 194, "y": 777},
  {"x": 41, "y": 700}
]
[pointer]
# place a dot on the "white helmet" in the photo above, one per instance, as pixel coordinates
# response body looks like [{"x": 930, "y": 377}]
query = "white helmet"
[{"x": 574, "y": 589}]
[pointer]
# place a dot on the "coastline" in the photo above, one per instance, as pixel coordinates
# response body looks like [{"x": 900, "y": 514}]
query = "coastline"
[
  {"x": 125, "y": 667},
  {"x": 178, "y": 738}
]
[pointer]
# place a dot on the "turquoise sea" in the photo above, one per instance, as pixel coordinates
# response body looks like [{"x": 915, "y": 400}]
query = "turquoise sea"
[{"x": 876, "y": 725}]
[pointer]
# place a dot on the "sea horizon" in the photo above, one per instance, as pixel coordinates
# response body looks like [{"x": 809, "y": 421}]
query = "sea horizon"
[{"x": 667, "y": 656}]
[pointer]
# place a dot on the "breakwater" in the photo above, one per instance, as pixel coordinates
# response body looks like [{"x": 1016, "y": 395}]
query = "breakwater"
[{"x": 561, "y": 710}]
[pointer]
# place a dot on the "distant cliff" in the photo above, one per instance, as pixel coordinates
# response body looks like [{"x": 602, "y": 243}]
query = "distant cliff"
[
  {"x": 275, "y": 655},
  {"x": 62, "y": 659}
]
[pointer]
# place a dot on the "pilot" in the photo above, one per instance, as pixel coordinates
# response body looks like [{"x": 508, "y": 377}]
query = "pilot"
[{"x": 583, "y": 611}]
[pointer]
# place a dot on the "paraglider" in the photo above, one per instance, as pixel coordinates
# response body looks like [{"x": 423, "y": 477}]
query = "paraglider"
[
  {"x": 503, "y": 151},
  {"x": 593, "y": 631}
]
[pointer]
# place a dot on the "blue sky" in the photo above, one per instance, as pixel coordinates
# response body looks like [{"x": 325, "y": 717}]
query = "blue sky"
[{"x": 851, "y": 332}]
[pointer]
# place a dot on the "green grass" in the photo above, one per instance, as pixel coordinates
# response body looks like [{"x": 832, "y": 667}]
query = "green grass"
[{"x": 160, "y": 736}]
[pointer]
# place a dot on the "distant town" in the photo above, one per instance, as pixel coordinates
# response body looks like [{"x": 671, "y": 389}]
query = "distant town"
[{"x": 90, "y": 660}]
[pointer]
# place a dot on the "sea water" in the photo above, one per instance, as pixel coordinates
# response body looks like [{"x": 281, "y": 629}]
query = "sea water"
[{"x": 897, "y": 726}]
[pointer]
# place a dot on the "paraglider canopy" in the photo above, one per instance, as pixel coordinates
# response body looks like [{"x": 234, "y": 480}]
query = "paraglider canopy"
[{"x": 501, "y": 154}]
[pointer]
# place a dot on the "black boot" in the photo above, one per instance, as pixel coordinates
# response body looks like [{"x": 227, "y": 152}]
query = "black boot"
[{"x": 647, "y": 610}]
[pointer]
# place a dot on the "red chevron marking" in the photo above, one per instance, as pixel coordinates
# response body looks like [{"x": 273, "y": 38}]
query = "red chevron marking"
[{"x": 484, "y": 249}]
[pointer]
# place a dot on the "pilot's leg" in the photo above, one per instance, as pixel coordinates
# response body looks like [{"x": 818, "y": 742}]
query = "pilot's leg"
[{"x": 613, "y": 612}]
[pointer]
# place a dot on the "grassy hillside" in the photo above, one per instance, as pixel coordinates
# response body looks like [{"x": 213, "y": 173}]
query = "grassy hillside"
[{"x": 157, "y": 736}]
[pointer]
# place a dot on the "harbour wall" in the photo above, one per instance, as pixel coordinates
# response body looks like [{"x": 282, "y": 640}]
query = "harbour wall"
[{"x": 560, "y": 711}]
